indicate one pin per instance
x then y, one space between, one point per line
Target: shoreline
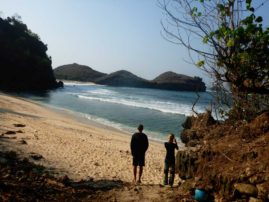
77 116
80 117
73 147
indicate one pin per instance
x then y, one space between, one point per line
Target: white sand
74 148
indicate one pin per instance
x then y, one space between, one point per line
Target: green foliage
24 64
200 63
237 47
230 43
243 55
205 39
247 60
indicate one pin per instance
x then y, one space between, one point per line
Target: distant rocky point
173 81
166 81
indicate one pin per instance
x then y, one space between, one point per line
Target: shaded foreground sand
79 150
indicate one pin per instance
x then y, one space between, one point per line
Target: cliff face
77 72
24 64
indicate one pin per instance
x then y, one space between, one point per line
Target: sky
107 35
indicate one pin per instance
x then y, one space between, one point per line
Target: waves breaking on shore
161 111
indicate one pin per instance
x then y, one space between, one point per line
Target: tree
24 64
234 49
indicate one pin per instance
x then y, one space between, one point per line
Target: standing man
139 146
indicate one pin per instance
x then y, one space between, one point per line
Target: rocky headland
24 64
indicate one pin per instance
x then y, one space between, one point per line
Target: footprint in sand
10 132
19 125
22 141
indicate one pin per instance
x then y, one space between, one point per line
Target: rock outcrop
195 127
229 160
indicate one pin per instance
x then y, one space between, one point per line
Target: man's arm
176 144
146 143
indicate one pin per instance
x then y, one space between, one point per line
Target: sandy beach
79 149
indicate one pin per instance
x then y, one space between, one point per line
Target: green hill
173 81
77 72
123 78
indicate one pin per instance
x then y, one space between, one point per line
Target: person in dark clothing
139 146
169 162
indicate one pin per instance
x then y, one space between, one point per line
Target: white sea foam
107 122
77 83
101 92
165 107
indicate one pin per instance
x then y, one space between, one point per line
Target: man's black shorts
139 160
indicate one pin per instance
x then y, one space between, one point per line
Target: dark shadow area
22 180
103 185
2 110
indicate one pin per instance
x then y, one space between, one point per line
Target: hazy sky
107 35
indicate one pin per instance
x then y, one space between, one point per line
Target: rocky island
173 81
77 72
123 78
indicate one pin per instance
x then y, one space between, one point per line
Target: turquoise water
160 111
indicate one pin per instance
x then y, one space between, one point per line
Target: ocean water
160 111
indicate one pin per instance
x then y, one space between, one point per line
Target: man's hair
140 127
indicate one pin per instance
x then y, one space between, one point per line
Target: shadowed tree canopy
24 64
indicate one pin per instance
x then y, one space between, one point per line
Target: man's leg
172 175
141 164
134 171
140 173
